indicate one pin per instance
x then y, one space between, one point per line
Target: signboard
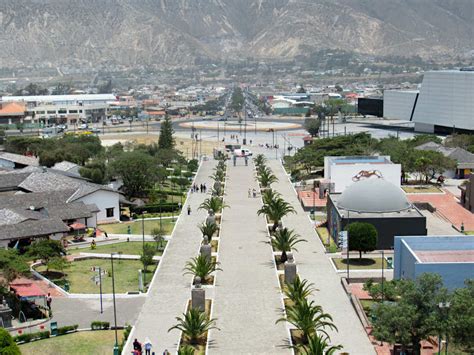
343 240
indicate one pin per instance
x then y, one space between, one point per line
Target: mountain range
184 32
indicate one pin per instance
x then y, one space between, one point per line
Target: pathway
316 267
170 289
246 297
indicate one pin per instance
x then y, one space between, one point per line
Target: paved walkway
246 299
315 266
170 289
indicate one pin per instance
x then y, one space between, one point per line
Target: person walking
254 192
137 347
148 346
189 210
49 300
250 193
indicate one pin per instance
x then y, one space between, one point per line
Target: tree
137 170
12 265
194 324
275 210
260 160
146 256
317 345
266 176
309 318
95 170
202 267
298 289
166 140
362 237
45 250
158 236
208 229
7 344
312 125
415 316
461 317
285 240
213 205
58 263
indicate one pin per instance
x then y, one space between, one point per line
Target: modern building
343 171
445 102
378 202
452 257
467 194
295 104
464 159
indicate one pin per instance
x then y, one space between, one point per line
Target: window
72 111
51 112
109 212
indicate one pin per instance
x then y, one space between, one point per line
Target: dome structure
373 196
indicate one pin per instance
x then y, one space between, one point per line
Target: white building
344 171
444 103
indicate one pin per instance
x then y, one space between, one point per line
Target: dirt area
185 145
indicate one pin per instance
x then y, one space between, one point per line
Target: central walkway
170 290
247 301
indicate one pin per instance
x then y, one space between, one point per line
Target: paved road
314 266
170 290
246 297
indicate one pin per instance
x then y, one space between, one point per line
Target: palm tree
285 240
266 177
194 325
213 205
275 210
269 195
317 345
219 175
298 289
309 318
260 160
201 267
186 350
208 229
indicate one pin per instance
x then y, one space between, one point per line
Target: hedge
98 325
67 329
156 208
27 337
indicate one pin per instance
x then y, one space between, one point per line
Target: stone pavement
247 301
170 289
316 267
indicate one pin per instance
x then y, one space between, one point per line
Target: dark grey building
380 203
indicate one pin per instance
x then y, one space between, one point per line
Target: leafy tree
158 236
285 240
58 263
461 317
202 267
362 237
95 170
137 170
415 316
166 140
312 125
309 318
194 324
12 265
32 90
146 256
7 344
45 250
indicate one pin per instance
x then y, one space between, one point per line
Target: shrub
126 334
26 338
7 344
155 208
67 329
98 325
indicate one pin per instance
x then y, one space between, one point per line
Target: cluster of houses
52 202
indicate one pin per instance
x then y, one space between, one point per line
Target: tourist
254 192
137 347
205 187
250 193
166 352
48 301
189 210
148 346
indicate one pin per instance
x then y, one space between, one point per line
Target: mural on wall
365 174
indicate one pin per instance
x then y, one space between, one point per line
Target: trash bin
54 328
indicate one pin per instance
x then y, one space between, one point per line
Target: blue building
451 257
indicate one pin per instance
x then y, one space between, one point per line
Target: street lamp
444 306
116 347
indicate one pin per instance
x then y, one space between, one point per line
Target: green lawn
469 233
136 227
359 264
323 234
99 342
127 248
421 189
81 278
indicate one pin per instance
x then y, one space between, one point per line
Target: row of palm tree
194 324
309 318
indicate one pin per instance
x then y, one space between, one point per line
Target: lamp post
245 126
444 306
116 348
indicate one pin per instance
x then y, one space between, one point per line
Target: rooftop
359 160
19 159
56 98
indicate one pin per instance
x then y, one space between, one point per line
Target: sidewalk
316 267
247 301
170 289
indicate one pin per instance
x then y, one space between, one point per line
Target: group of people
138 348
201 188
252 193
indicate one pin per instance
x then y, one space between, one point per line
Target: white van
242 152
